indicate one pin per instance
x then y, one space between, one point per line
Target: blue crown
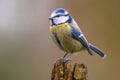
61 11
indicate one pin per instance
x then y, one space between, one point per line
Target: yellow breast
63 32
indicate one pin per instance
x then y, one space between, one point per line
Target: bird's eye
61 15
57 16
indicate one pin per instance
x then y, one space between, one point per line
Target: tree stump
62 70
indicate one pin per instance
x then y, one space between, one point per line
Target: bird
67 35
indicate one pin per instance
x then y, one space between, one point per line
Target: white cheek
61 19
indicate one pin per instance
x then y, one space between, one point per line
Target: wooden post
62 70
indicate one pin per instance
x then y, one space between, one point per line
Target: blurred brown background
27 51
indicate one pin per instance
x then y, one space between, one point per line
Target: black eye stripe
60 15
57 15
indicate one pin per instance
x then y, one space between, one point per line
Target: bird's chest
66 41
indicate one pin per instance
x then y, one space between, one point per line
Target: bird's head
60 16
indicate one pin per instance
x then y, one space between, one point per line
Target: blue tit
67 35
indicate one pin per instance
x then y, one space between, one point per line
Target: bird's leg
65 55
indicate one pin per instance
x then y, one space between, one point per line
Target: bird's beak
50 18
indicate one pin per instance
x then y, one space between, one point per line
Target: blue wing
77 34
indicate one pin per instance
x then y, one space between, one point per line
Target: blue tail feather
96 50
